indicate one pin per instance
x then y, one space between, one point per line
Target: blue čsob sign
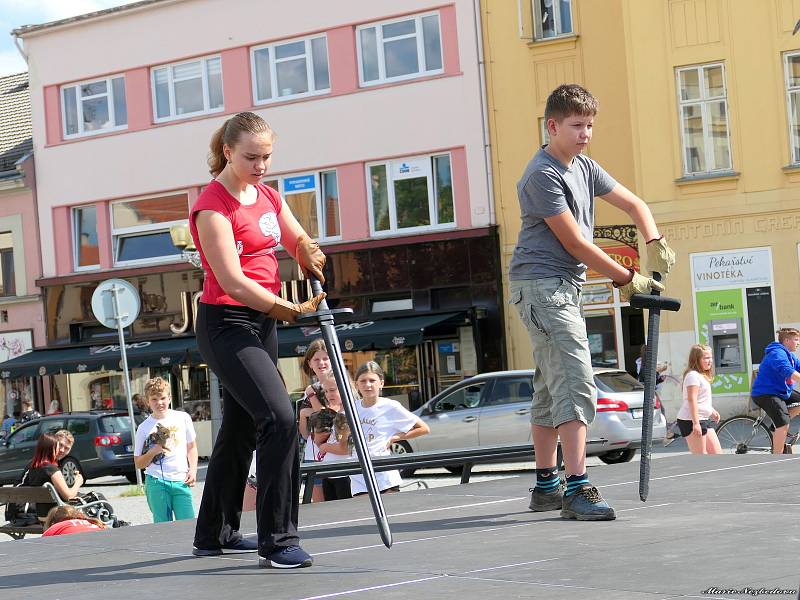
301 183
446 348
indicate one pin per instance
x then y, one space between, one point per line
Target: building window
86 251
552 18
7 285
187 89
703 106
94 107
411 194
140 228
290 69
544 134
314 201
792 70
399 49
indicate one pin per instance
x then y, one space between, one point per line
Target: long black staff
324 317
654 303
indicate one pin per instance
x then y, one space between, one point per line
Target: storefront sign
14 344
302 183
734 268
624 255
406 169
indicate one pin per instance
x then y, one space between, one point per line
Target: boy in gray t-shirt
548 268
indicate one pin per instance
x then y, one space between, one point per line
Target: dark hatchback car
102 445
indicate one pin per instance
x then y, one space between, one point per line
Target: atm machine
727 343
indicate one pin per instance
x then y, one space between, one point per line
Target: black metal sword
324 316
654 303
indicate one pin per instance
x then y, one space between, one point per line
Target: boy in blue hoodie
772 389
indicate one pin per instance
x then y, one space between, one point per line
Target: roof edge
29 30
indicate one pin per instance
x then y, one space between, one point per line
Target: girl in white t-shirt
383 422
696 412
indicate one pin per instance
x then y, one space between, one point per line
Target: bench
467 457
45 494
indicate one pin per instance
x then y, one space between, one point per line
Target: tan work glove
283 310
310 257
660 257
639 284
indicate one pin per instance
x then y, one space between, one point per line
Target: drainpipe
487 145
20 49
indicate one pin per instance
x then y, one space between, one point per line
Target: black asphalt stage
726 522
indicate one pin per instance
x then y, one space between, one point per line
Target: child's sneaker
587 505
544 501
290 557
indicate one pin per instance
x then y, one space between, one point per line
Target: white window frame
173 116
538 34
76 241
704 101
382 78
794 152
109 94
318 191
124 232
273 73
432 204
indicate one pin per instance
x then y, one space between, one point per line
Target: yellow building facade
700 117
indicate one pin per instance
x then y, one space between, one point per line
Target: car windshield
617 381
118 423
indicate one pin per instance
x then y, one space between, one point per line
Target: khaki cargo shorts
563 385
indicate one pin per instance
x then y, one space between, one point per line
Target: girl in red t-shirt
237 224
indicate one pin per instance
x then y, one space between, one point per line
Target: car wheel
618 456
69 468
399 448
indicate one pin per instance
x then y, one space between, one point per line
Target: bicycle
744 434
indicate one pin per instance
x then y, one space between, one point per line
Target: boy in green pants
548 268
165 447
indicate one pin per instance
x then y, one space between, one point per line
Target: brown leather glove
310 257
283 310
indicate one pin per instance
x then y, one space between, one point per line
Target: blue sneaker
290 557
587 505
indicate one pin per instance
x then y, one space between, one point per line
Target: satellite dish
128 303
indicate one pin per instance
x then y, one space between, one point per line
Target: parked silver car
494 409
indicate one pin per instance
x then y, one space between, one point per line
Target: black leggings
241 346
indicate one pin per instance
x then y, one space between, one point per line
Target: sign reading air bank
731 268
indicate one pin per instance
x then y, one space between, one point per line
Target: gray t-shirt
547 189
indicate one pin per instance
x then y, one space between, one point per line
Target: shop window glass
602 340
85 246
413 193
313 199
140 228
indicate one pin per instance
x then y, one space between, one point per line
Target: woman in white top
696 412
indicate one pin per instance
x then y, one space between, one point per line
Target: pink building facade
21 316
381 152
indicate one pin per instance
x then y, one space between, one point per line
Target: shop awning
380 334
145 353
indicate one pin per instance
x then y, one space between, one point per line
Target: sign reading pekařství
731 268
